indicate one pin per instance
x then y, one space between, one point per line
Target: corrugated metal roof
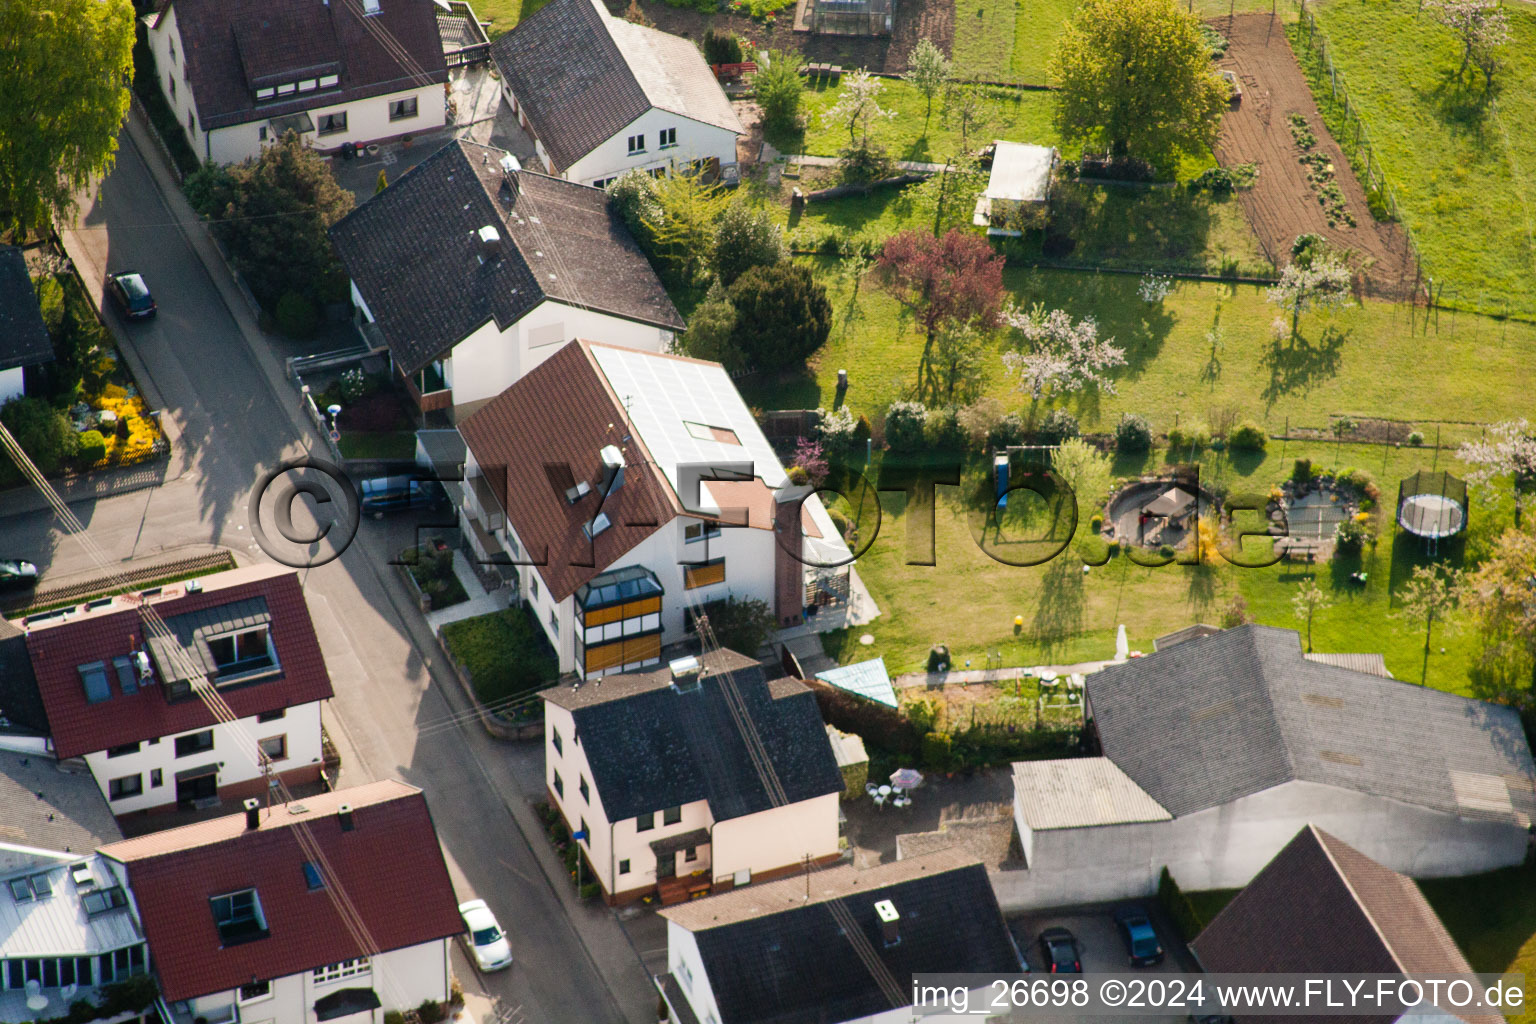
1217 718
1079 792
1021 172
57 925
867 679
1375 664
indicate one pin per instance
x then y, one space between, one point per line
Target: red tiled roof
562 414
222 42
80 727
389 865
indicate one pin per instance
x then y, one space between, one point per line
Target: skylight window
312 877
704 432
21 892
103 900
598 525
94 676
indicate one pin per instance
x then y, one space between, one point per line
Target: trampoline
1432 506
1431 516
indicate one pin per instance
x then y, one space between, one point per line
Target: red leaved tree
946 282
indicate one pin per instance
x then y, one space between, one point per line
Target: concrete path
480 602
832 161
962 677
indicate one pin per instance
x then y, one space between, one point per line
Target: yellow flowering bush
143 431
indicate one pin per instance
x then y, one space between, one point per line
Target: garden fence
1354 138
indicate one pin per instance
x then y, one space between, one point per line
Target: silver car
486 941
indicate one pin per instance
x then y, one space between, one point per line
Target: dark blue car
1139 937
131 294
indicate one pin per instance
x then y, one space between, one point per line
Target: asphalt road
396 716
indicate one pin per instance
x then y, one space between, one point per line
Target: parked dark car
15 574
397 493
1062 953
131 294
1140 939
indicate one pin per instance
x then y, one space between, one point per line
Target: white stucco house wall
591 475
601 95
846 953
240 76
471 271
1215 752
121 700
702 819
241 925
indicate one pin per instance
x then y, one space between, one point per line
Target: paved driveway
1102 951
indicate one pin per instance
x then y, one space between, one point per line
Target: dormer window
238 917
597 525
243 652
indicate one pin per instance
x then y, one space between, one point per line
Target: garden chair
879 799
871 789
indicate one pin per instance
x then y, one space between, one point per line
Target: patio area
1154 513
873 829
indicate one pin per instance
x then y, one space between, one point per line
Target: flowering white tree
1481 25
857 107
1155 288
1060 353
1323 284
1509 449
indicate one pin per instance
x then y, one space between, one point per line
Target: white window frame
287 88
329 81
345 969
308 85
265 94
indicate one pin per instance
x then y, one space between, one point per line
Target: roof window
94 677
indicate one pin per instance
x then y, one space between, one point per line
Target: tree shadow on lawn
1059 613
1112 301
1461 102
1409 552
1296 365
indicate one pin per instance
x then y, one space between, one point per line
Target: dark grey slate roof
50 807
21 703
24 337
413 254
580 75
651 747
797 967
1220 717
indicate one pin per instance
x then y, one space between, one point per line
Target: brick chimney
788 570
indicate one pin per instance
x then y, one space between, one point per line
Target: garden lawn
911 135
505 14
969 601
505 654
1464 170
1370 360
390 445
1492 917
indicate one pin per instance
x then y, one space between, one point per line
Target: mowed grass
1464 169
969 600
1492 917
915 134
1372 360
504 14
1011 40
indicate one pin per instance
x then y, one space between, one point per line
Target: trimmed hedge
1178 908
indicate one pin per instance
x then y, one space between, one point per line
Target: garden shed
1018 190
848 17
